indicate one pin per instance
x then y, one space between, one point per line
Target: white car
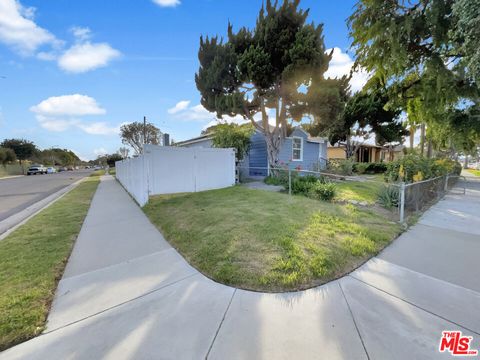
51 170
36 169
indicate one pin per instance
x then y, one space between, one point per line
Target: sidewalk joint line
353 319
118 305
221 323
114 265
414 305
404 268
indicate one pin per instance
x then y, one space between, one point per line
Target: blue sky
76 70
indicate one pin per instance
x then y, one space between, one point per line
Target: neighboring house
367 153
204 141
299 150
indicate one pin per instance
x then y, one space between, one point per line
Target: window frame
301 148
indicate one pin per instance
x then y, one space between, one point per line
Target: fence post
289 181
402 202
446 183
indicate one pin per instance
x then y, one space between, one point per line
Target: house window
297 149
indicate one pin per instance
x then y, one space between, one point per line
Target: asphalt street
19 193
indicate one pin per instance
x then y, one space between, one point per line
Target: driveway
18 193
127 294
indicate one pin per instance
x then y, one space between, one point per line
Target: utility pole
144 130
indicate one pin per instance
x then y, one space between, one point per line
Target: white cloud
83 57
60 113
18 30
100 151
340 65
81 33
181 105
70 105
167 3
198 113
98 128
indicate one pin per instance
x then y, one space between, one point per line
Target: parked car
51 170
63 168
36 169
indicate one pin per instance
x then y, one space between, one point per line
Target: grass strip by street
269 241
32 261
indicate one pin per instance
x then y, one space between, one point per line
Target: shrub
389 196
323 191
303 184
376 168
360 168
342 167
413 168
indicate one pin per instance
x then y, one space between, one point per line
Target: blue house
299 150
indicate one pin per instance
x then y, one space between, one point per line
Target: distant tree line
12 150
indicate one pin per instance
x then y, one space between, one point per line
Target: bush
7 156
342 167
303 184
323 191
413 168
389 196
360 168
376 168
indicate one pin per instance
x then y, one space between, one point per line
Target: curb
11 223
11 177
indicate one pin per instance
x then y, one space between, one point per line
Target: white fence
167 170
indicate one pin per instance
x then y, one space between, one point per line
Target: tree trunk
429 149
273 149
412 136
465 164
422 138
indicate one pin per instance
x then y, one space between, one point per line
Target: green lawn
359 191
32 260
269 241
474 172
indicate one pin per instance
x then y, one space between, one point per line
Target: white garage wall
167 170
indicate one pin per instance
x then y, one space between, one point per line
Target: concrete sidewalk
127 294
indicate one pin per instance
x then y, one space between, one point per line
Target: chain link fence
409 199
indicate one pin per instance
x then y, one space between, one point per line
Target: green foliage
23 149
342 167
466 34
424 53
56 156
112 158
360 168
263 68
413 168
389 196
370 168
367 113
323 190
303 184
7 156
233 136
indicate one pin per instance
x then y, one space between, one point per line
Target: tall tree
23 149
413 49
367 114
136 134
265 71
